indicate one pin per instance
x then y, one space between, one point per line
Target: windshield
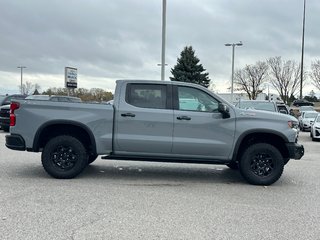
311 115
266 106
306 108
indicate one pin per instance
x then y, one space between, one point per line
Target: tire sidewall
68 141
252 151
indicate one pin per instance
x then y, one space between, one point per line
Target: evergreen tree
188 69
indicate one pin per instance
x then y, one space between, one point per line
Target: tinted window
192 99
147 95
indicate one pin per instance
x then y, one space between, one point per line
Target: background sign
71 77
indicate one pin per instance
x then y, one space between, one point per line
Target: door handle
184 118
128 115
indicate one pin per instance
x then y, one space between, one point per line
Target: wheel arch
248 138
55 128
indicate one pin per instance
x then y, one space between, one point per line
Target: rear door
200 131
144 120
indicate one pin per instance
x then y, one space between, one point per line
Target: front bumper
316 133
296 151
15 142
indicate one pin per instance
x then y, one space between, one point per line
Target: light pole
233 45
302 46
163 50
268 85
21 68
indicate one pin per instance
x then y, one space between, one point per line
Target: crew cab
156 121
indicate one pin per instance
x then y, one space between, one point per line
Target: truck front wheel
64 157
261 164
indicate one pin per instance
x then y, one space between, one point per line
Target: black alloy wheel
64 157
261 164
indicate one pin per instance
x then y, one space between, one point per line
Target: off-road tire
261 164
64 157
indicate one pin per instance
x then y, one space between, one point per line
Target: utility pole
233 45
163 50
21 68
302 47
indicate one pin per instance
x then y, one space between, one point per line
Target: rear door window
147 95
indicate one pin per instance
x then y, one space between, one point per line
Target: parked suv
257 105
264 105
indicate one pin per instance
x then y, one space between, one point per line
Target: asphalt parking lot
136 200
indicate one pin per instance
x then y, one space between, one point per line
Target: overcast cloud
121 39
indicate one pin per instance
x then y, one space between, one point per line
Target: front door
199 129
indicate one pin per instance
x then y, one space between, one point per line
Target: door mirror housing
224 110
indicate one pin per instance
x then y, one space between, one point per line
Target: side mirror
224 110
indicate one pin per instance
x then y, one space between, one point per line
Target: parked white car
307 119
315 128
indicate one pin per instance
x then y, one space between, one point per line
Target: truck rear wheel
64 157
261 164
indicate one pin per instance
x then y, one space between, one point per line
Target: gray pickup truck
156 121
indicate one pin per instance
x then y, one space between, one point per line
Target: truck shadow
169 172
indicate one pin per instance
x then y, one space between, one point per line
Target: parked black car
5 117
4 112
302 102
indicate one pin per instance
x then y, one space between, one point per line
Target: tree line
282 75
87 95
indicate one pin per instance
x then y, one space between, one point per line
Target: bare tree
251 78
315 73
26 88
284 77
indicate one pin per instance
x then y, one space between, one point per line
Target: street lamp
21 68
268 86
233 45
302 46
163 50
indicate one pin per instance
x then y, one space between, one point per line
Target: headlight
293 124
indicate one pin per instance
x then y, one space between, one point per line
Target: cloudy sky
121 39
